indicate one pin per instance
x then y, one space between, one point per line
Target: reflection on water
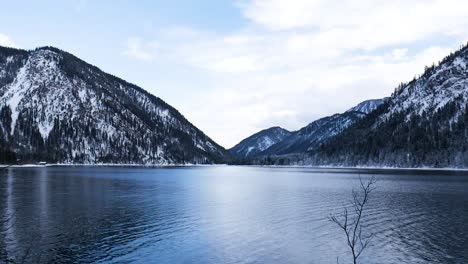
226 215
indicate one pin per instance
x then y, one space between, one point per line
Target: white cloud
235 64
140 50
6 41
399 20
399 54
239 106
277 83
297 61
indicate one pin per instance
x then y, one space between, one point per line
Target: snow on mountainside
367 106
319 131
424 123
438 87
56 107
258 142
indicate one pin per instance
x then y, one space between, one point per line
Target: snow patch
82 95
460 62
45 128
164 114
249 149
16 93
200 147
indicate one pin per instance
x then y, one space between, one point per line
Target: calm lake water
226 214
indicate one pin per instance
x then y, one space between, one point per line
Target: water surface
226 214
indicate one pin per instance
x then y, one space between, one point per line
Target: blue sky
236 67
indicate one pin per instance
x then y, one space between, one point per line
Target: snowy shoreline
3 166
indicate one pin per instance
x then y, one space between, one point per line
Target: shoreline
359 167
366 168
4 166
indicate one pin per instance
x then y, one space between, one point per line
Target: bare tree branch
351 222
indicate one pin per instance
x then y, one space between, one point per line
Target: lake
227 214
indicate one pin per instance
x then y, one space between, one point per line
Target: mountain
259 142
58 108
311 136
423 124
367 106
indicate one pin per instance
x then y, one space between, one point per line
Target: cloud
235 64
6 41
297 61
237 107
383 20
289 79
137 49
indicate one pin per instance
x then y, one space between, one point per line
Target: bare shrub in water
350 220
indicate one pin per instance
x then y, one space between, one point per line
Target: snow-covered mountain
424 123
319 131
367 106
258 142
58 108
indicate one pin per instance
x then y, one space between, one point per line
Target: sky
233 68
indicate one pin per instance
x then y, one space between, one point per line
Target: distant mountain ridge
58 108
259 142
319 131
309 137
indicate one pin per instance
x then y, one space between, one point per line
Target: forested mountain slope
259 142
423 124
311 136
58 108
